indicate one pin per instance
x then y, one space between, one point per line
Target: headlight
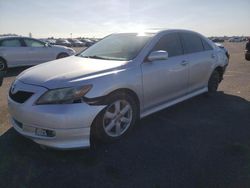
63 95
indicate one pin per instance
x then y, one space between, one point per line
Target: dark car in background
217 39
51 41
76 43
88 42
63 42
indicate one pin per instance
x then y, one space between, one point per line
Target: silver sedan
102 91
24 51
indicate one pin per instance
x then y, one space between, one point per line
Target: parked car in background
235 39
51 41
63 42
48 41
247 55
76 43
217 39
102 91
24 51
87 42
247 50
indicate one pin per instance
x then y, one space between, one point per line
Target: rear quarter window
206 45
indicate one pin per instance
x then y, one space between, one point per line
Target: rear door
13 51
201 58
165 80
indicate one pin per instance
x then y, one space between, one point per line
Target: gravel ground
203 142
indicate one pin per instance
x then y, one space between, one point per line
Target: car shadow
196 143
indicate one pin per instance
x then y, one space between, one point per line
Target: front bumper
70 122
63 139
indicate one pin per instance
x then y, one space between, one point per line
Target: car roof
155 31
10 37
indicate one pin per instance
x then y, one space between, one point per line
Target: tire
62 55
3 65
247 56
213 82
116 120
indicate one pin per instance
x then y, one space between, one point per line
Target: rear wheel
213 82
247 56
116 119
3 65
62 55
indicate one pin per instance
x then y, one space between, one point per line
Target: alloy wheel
117 118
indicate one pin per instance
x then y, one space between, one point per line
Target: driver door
165 80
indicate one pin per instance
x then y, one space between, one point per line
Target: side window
11 43
191 42
33 43
206 45
170 43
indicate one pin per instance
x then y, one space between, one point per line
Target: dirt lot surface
203 142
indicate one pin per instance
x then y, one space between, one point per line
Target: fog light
50 133
44 132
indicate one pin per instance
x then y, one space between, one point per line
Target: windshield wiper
94 57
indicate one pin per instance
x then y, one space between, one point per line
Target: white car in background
23 51
235 39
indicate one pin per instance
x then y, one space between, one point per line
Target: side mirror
158 55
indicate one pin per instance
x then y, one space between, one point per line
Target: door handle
184 63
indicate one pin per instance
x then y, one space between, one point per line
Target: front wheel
62 55
116 119
213 82
3 65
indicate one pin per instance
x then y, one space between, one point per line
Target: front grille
20 96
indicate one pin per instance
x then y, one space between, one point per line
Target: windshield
121 47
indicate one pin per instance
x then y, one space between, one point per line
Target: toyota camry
102 91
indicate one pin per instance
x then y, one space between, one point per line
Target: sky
98 18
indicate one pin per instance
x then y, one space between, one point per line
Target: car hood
68 71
